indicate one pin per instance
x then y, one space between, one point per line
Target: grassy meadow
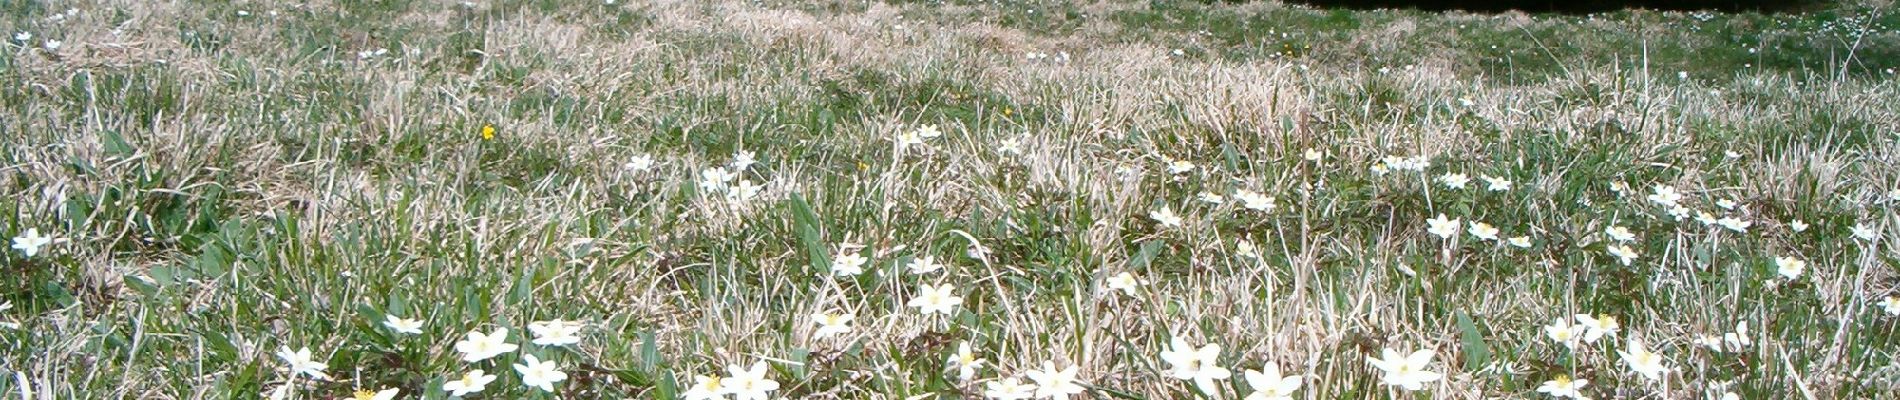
832 199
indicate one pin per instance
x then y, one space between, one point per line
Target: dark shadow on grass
1572 6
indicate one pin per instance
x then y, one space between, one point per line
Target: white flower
1125 282
385 394
916 137
1860 230
1177 167
1010 146
1009 389
924 265
749 384
714 179
1454 181
472 382
478 346
1483 231
51 45
1563 387
744 191
1417 164
31 242
1738 340
1053 383
1246 249
1407 371
1734 224
299 362
847 263
1679 213
537 374
1726 204
555 333
1620 234
1790 267
1712 342
706 387
1313 155
906 139
1522 242
1798 226
1664 195
965 361
402 325
1443 227
639 163
1496 184
1255 201
1165 217
937 299
23 36
1195 365
1891 304
1211 198
928 132
1597 327
1267 383
741 160
1642 361
1562 332
1624 254
831 324
1705 218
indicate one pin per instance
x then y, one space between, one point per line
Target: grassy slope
232 182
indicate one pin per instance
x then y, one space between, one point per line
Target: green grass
229 178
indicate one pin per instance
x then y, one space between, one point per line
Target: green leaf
807 227
1149 250
1231 156
57 293
668 388
433 390
524 287
139 284
1477 354
801 358
649 352
115 144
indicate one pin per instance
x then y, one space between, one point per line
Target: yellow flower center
364 395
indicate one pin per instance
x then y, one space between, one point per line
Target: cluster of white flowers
476 347
1401 164
726 180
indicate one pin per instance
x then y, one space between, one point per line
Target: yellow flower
488 132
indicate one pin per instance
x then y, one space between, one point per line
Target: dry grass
229 184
